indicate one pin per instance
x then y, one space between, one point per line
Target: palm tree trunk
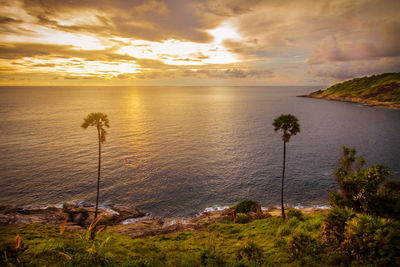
283 179
98 176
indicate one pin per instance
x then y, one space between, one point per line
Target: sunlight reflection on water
175 151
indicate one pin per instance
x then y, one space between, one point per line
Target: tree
99 120
289 125
365 190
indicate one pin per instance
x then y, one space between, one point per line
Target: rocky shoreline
126 220
352 99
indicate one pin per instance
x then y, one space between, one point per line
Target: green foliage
245 206
293 213
288 124
355 229
335 224
221 244
372 239
208 258
365 190
249 252
383 87
100 121
302 243
242 218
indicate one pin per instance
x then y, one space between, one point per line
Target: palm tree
99 120
289 125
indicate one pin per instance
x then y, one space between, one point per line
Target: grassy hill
266 242
375 90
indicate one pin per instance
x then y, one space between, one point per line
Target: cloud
8 20
349 69
47 51
384 43
148 20
205 72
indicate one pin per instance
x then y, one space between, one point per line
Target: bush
372 239
334 226
365 190
302 243
210 258
249 252
247 206
293 213
242 218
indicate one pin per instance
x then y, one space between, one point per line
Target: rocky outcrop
138 225
347 98
77 216
12 215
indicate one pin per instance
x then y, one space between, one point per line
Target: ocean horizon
177 150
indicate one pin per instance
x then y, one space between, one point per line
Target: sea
175 151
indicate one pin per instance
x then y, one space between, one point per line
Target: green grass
382 87
261 242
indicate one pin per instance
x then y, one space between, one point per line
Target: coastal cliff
381 90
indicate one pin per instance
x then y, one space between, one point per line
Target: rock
76 214
127 212
80 218
12 215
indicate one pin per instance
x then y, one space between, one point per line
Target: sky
196 42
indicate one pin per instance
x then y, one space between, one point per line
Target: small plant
302 243
207 257
246 206
251 252
372 239
242 218
365 190
334 227
293 213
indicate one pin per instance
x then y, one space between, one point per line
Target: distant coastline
381 90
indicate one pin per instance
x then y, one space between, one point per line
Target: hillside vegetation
379 90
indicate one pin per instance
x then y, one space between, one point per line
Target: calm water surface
174 151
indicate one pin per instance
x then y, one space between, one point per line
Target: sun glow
69 51
175 52
223 32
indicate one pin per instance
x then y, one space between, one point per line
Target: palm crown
289 125
99 120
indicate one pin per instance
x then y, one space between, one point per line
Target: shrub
284 230
210 258
246 206
334 226
249 252
302 243
365 190
242 218
293 213
372 239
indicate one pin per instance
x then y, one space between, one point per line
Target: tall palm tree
289 125
99 120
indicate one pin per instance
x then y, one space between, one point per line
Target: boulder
77 214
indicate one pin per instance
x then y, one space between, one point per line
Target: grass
383 87
258 243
